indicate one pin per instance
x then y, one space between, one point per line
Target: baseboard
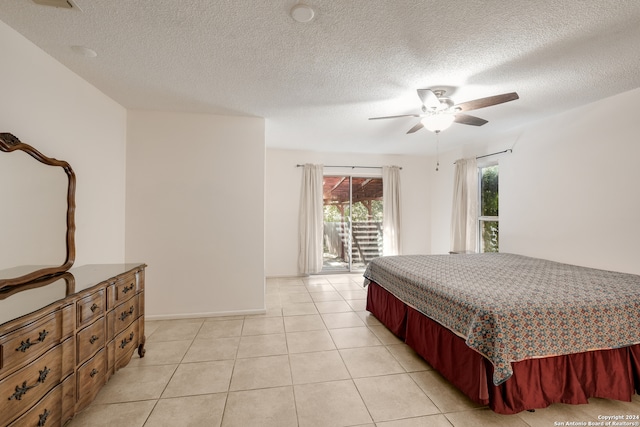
178 316
298 276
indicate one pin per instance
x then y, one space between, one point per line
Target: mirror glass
30 297
34 207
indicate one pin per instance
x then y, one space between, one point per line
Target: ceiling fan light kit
439 111
437 122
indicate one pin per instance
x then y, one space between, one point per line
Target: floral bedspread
510 307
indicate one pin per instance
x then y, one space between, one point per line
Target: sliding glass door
352 222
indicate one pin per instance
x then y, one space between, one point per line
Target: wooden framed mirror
37 208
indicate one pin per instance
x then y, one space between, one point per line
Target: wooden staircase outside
366 244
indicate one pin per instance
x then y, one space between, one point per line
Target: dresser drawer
126 342
22 389
53 410
90 308
122 290
125 314
90 378
90 340
25 344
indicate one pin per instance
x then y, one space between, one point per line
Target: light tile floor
317 358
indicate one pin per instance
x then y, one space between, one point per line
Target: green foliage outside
489 207
332 214
359 214
489 236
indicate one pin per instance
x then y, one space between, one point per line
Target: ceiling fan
439 111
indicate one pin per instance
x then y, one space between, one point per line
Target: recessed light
302 13
84 51
60 4
55 3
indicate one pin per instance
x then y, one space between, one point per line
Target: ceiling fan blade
486 102
466 119
394 117
428 98
416 128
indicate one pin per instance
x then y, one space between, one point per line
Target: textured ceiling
317 83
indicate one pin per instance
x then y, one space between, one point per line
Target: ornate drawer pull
43 418
124 342
126 314
20 390
93 372
24 388
93 339
94 307
128 288
24 345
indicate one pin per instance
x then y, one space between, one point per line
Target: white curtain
390 210
310 224
464 216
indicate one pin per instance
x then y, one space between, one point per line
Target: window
488 218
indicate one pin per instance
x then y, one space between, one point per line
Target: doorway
352 222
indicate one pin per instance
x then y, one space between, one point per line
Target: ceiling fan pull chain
437 151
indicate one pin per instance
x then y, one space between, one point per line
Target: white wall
283 185
568 192
47 106
195 212
441 199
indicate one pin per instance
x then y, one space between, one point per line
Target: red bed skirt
536 383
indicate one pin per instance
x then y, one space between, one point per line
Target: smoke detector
302 13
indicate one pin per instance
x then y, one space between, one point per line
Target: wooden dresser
61 338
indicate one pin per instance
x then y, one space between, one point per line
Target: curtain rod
352 167
508 150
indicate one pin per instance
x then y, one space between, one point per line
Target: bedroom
133 164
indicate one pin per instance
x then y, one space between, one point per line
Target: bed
513 332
